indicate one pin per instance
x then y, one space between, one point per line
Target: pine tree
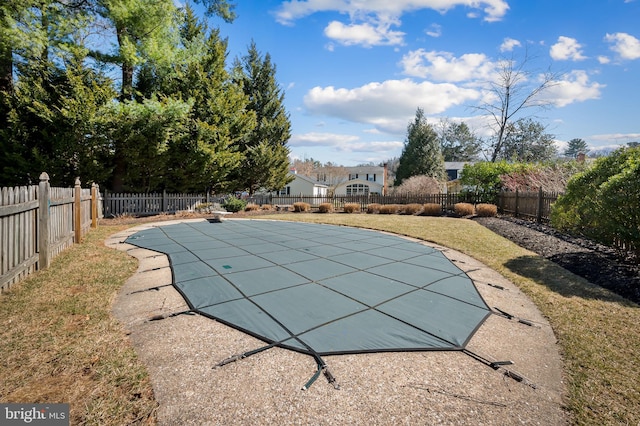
421 154
575 147
256 76
52 103
458 142
526 141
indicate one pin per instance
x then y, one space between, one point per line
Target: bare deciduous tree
515 88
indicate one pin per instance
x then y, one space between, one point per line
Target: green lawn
59 342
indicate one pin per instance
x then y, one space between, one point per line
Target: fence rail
39 222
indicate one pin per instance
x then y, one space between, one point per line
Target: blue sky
354 71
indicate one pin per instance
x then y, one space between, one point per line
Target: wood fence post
163 207
77 214
515 213
94 205
43 222
540 205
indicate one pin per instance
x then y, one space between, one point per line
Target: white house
303 185
357 180
358 187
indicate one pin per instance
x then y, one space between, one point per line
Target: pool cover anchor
321 366
499 365
171 315
330 378
507 315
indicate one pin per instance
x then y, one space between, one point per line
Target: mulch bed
600 265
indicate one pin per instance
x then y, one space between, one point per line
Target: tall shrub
603 202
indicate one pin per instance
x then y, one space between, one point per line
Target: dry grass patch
60 344
388 209
351 208
373 208
597 330
486 210
325 208
432 209
252 208
411 208
464 209
301 207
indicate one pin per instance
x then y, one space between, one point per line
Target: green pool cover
320 289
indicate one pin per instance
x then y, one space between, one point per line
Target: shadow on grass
561 281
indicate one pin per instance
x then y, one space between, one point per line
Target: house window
371 178
353 176
321 177
285 191
357 189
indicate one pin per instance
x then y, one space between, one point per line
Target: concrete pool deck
379 388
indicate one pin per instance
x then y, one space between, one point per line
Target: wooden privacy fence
116 204
39 222
531 205
447 201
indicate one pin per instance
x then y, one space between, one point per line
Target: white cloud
603 59
367 34
444 66
321 139
291 10
434 30
383 146
390 105
370 22
574 87
567 48
509 44
616 137
345 143
625 45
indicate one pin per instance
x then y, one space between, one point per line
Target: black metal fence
147 204
447 201
531 205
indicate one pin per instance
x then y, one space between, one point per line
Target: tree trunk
6 69
126 89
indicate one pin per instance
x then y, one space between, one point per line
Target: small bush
266 207
432 209
388 209
251 207
487 210
464 209
411 209
234 205
373 208
301 207
351 207
325 208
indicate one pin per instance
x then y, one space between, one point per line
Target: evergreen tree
219 117
526 141
575 147
421 154
51 106
458 142
256 76
143 132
